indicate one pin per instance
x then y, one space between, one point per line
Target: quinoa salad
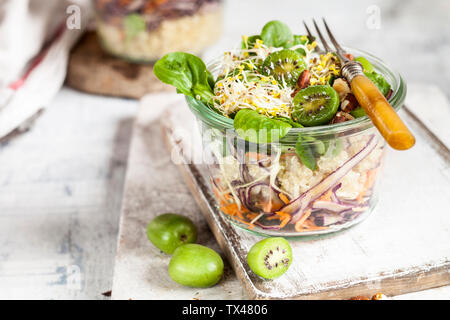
145 30
271 172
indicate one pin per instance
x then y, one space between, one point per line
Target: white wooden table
60 194
382 255
61 183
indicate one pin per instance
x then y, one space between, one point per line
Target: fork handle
383 116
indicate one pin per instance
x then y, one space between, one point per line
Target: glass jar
266 188
145 30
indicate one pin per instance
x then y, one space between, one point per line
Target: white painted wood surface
425 49
154 186
399 236
82 141
60 194
398 240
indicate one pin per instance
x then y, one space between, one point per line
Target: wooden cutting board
92 70
402 247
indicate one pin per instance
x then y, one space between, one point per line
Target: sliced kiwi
315 105
270 258
285 65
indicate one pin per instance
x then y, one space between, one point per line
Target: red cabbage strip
298 206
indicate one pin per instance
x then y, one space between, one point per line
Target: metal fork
383 116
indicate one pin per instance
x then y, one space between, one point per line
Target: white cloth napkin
35 39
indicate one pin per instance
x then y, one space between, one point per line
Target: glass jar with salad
145 30
289 151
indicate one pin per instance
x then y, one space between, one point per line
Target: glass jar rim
398 86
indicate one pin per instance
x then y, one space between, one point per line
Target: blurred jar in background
145 30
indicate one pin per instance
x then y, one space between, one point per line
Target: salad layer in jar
286 166
145 30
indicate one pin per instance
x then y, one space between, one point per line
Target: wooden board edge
434 140
186 171
389 285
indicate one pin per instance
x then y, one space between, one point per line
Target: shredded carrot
284 222
223 198
267 206
316 228
239 212
250 225
256 156
250 216
361 195
284 198
287 154
302 220
281 215
311 226
270 206
326 196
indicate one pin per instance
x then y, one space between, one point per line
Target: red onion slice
245 174
266 227
389 95
241 196
298 206
334 196
261 194
325 219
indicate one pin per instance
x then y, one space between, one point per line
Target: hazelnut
341 87
379 296
349 103
303 80
342 117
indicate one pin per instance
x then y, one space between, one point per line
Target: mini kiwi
315 105
270 258
285 65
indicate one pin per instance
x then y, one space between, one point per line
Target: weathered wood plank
61 185
141 271
154 186
389 252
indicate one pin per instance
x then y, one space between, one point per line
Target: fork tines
339 51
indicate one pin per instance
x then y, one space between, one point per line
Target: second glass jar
145 30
